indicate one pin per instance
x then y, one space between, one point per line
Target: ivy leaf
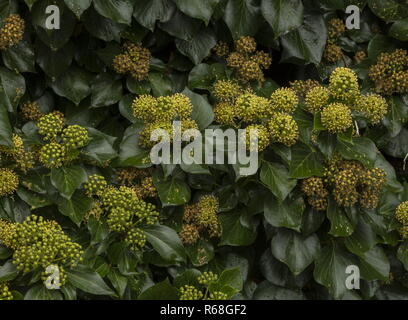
305 44
40 292
200 253
89 281
130 154
106 90
166 242
268 291
341 226
399 30
203 75
375 265
379 44
181 26
78 6
276 177
68 179
242 18
197 8
73 84
305 163
53 38
402 254
397 114
295 250
75 207
283 16
361 149
119 11
161 84
101 27
330 269
235 233
54 62
160 291
388 10
202 110
229 282
286 214
5 126
172 191
12 89
362 239
100 148
20 57
199 46
147 12
8 271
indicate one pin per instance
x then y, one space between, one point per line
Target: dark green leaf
276 177
283 16
286 214
166 242
68 179
296 251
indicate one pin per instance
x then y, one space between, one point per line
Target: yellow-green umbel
39 243
224 113
256 131
188 292
336 117
317 98
135 238
31 111
50 125
75 137
343 85
283 128
189 234
284 99
207 277
52 155
5 293
95 185
12 31
401 213
8 182
245 44
144 107
373 106
250 107
226 90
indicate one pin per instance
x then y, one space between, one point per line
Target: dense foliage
80 198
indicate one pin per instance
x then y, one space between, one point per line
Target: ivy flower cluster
246 60
31 111
134 60
12 31
348 182
127 214
270 118
338 103
199 219
390 73
333 51
5 293
18 155
401 214
140 180
39 243
202 292
158 113
63 142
